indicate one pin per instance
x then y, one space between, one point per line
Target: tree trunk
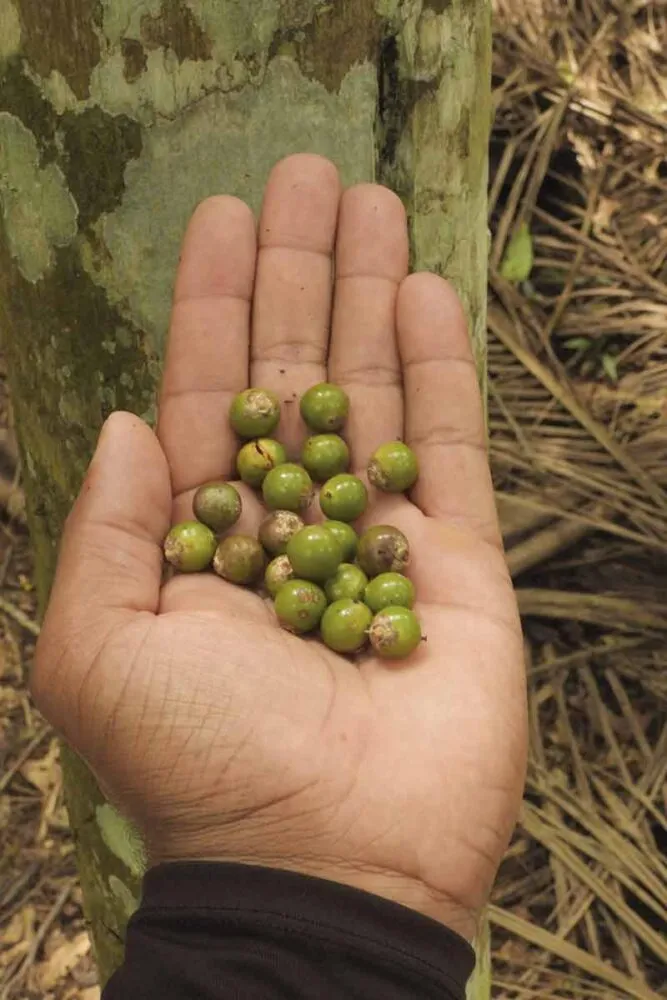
116 118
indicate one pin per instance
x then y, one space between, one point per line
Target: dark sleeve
234 932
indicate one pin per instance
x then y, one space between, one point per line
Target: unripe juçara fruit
277 529
217 505
240 559
255 413
189 547
393 468
383 549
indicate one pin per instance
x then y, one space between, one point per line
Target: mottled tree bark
116 118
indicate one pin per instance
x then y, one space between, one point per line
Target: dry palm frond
578 426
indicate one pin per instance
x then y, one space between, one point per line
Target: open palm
219 734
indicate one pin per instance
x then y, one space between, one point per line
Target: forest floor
578 418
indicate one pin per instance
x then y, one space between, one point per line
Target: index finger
207 356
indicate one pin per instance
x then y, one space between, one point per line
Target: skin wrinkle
373 377
212 390
371 276
115 707
290 352
324 252
411 365
214 298
441 437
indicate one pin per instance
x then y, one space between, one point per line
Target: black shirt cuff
216 931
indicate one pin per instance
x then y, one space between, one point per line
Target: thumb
110 561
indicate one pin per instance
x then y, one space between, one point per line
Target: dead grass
578 365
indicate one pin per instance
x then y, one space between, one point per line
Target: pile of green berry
325 576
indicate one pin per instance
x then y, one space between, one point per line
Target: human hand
221 736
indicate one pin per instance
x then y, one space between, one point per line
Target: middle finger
293 288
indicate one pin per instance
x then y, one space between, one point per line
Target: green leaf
519 259
479 987
610 366
578 344
565 72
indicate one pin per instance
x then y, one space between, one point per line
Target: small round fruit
276 530
346 537
389 590
256 459
300 605
345 626
395 633
218 506
314 553
325 407
190 547
288 487
393 468
348 582
240 559
324 456
343 498
278 573
255 413
383 549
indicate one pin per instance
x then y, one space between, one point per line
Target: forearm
220 931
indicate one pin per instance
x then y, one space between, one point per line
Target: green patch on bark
125 896
10 29
97 148
38 212
61 37
234 140
122 839
21 97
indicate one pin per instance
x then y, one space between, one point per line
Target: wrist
402 889
395 886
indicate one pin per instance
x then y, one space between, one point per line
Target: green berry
393 468
346 537
240 559
389 590
395 633
348 582
343 498
325 407
276 530
217 505
190 547
345 626
288 487
278 573
300 605
314 553
256 459
324 456
383 549
255 413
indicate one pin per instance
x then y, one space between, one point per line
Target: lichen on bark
126 113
